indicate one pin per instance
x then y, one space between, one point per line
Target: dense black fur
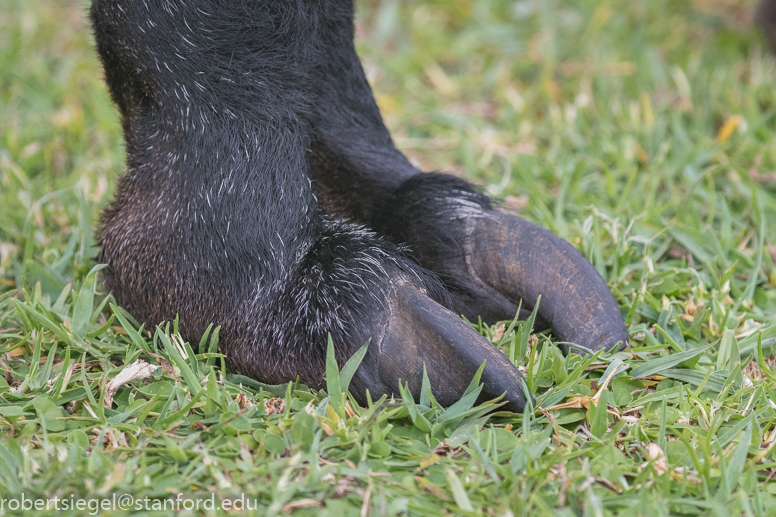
238 117
216 219
352 152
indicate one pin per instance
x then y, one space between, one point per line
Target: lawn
642 132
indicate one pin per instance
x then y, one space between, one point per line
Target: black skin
264 194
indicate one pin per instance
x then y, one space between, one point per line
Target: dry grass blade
135 371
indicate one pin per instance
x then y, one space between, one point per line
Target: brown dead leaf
345 485
445 450
242 399
301 503
274 406
16 352
608 484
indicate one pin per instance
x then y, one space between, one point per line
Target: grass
643 132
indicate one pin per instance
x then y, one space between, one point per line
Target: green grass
643 132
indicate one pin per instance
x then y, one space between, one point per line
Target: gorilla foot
218 217
490 262
418 332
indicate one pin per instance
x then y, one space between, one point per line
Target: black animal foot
418 333
238 117
490 261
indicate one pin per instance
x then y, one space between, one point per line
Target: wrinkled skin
264 194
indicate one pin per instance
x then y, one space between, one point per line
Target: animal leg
216 219
489 261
